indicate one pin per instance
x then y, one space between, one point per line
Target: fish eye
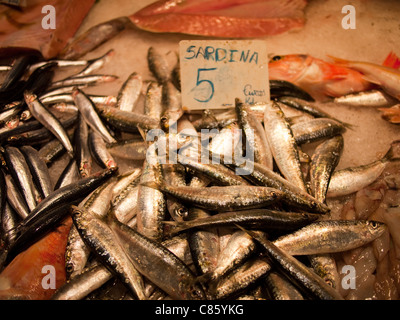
374 224
196 293
276 58
182 212
329 282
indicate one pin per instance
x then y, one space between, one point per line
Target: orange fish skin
319 78
225 18
22 278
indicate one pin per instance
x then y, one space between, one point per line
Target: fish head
287 67
376 228
191 290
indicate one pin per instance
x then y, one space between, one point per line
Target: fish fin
391 114
392 61
394 152
371 79
205 277
348 125
151 184
339 60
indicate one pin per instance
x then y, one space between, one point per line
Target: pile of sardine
217 205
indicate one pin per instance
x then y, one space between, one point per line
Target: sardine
82 152
39 170
15 198
94 64
50 151
175 174
131 149
103 242
21 174
324 160
76 251
130 91
280 288
83 284
293 195
93 37
69 175
204 244
308 107
296 270
283 145
254 218
94 276
172 106
9 222
226 198
99 151
158 65
88 111
240 247
217 173
124 202
330 236
316 129
158 264
124 120
83 80
44 116
350 180
325 266
257 147
241 278
54 208
151 207
372 98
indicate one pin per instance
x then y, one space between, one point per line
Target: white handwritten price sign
216 72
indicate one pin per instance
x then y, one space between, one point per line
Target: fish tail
172 228
151 184
209 286
348 125
394 152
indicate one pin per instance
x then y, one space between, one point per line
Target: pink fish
319 78
22 28
25 277
225 18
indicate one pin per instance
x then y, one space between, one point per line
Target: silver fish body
350 180
323 162
330 236
283 145
102 241
158 264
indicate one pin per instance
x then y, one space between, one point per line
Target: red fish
22 28
27 277
225 18
319 78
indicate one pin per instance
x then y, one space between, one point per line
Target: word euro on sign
216 72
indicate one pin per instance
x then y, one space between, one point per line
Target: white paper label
216 72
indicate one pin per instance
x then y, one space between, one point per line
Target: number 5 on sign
216 72
204 89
